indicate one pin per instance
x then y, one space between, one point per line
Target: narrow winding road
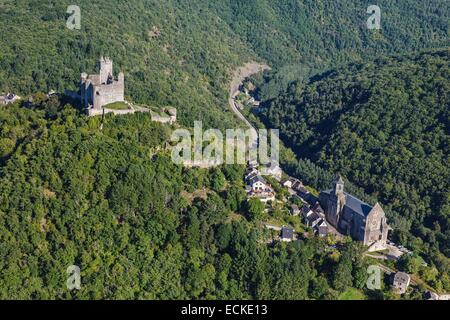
239 76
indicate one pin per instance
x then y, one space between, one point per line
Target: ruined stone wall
112 93
106 68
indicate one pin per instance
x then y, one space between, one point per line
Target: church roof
353 203
357 205
257 178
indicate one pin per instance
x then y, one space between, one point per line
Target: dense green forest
182 52
320 34
112 202
137 225
385 126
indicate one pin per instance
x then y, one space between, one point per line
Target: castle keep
98 90
354 217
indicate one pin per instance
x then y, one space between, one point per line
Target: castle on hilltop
355 218
98 90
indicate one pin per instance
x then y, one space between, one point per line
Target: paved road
235 109
239 76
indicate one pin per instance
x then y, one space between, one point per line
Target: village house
8 98
306 195
294 210
429 295
401 282
306 210
287 234
315 219
253 164
287 183
258 183
250 173
317 208
322 228
257 186
295 183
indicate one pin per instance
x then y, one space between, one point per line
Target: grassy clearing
117 106
352 294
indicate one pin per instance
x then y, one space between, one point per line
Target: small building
322 228
287 183
287 234
429 295
253 163
250 173
401 282
295 183
306 211
313 220
257 187
51 93
317 208
9 98
256 103
294 210
258 183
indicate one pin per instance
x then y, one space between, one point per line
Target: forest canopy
384 125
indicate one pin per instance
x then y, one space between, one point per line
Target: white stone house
257 187
258 184
401 282
287 183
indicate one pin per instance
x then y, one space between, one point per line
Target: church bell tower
336 201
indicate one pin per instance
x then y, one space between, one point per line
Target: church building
355 218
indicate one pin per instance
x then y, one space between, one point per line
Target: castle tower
106 69
98 90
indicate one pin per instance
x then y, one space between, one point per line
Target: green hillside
111 200
182 52
321 34
385 126
138 226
